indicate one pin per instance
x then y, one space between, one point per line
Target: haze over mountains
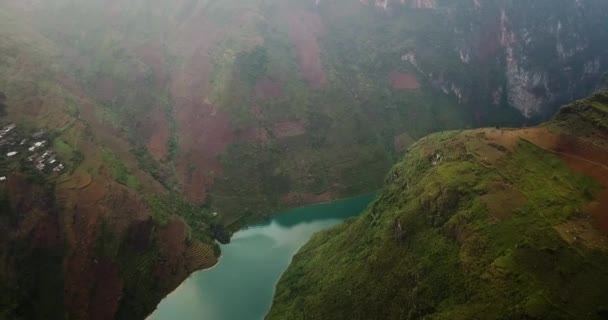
179 122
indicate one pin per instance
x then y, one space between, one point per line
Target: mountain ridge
180 122
487 223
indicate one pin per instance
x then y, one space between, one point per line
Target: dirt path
575 157
589 161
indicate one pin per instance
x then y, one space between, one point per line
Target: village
20 150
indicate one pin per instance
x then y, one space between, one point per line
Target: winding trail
585 165
569 155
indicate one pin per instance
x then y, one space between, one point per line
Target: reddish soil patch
108 290
47 234
591 161
92 286
79 270
288 129
40 225
298 199
268 89
204 131
204 134
509 138
172 240
105 89
581 156
158 143
85 206
254 134
191 79
72 87
304 28
152 55
404 81
257 112
139 235
402 142
129 206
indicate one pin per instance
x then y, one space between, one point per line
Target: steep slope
483 224
248 107
177 120
84 233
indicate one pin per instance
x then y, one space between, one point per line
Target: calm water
241 286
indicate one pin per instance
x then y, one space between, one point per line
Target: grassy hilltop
484 224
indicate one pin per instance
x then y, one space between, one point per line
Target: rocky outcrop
548 52
424 4
416 4
539 55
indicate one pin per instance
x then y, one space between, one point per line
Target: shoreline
332 210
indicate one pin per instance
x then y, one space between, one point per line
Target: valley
241 285
179 123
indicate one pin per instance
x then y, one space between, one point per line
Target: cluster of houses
34 149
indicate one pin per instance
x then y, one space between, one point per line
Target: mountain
84 232
252 107
179 122
475 224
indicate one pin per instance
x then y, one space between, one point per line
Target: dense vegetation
471 224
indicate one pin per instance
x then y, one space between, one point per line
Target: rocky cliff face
551 53
534 56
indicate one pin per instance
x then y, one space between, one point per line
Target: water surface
242 285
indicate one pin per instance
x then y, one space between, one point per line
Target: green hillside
481 224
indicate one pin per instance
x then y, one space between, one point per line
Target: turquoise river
241 285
